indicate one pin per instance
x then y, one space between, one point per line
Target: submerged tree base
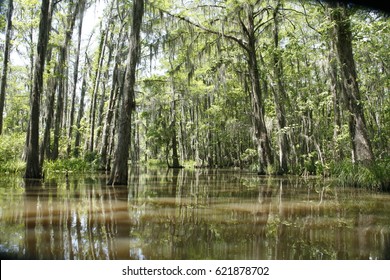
175 166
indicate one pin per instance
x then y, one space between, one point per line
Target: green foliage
322 169
375 176
250 157
189 163
2 15
11 149
70 165
12 166
17 101
156 163
92 157
90 162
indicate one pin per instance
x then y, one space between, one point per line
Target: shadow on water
191 214
386 251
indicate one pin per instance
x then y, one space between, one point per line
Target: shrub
156 162
11 149
374 176
71 164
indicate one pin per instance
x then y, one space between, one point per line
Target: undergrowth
11 149
374 176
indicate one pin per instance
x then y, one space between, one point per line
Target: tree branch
239 41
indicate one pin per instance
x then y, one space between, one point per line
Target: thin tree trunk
33 168
175 154
92 121
109 116
52 89
172 127
4 73
30 84
108 39
210 140
335 89
183 134
119 173
59 105
103 98
79 117
113 127
116 86
75 77
62 74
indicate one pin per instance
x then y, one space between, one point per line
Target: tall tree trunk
31 82
361 145
103 97
33 168
172 125
111 141
110 112
51 91
75 77
335 89
262 138
175 154
80 115
96 83
59 104
109 130
280 98
119 173
210 135
183 132
62 75
108 43
4 73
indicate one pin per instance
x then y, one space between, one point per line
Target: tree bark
361 145
335 89
79 117
280 98
172 125
113 128
62 76
5 61
115 88
52 89
75 77
103 97
262 138
96 83
210 134
119 173
33 168
59 104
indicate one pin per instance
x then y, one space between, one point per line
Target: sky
92 18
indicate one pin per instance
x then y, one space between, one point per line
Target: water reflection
191 214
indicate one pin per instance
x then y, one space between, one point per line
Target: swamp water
191 214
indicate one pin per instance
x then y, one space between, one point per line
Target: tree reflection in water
68 222
191 214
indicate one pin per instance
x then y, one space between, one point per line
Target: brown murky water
191 214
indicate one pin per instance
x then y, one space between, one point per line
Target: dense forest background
275 86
